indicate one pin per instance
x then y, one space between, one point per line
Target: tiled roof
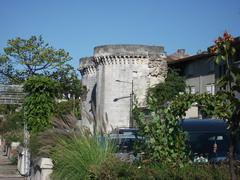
190 58
180 54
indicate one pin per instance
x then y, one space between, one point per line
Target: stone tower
111 75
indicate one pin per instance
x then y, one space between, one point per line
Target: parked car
125 138
208 139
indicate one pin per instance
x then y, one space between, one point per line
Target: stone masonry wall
145 66
88 71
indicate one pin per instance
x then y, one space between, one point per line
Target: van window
208 144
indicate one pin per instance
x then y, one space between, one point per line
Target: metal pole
131 106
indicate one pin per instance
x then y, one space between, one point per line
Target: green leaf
223 58
218 59
233 51
236 88
235 70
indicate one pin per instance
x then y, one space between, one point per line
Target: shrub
14 160
13 136
12 128
43 143
80 157
114 168
13 122
164 140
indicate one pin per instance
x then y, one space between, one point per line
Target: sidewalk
7 170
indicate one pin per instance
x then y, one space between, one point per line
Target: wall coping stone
128 49
44 163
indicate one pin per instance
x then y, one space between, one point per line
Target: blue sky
79 26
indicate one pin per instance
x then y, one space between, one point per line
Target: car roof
204 125
122 136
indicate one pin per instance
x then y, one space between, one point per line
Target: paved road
7 170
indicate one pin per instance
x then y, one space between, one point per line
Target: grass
80 157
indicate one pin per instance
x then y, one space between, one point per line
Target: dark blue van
208 139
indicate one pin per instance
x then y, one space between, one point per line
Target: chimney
181 52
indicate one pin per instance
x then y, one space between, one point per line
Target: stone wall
88 71
118 69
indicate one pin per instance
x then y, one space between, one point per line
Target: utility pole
131 106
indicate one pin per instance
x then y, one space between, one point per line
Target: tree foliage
68 107
70 87
39 103
6 109
162 93
13 122
164 140
23 58
209 105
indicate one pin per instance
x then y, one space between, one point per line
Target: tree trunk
233 145
232 166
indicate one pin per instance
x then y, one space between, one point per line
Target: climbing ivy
209 105
39 103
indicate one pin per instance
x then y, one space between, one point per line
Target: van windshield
208 144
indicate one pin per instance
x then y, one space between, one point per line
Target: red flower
231 39
226 35
220 39
213 49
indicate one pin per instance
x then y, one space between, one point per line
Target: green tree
163 93
39 103
229 85
70 86
23 58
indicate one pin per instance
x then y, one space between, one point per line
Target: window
222 70
191 89
189 70
211 66
210 88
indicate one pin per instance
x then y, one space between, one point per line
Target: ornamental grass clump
80 157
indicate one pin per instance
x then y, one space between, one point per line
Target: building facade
202 73
200 70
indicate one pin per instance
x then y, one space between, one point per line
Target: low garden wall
41 169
